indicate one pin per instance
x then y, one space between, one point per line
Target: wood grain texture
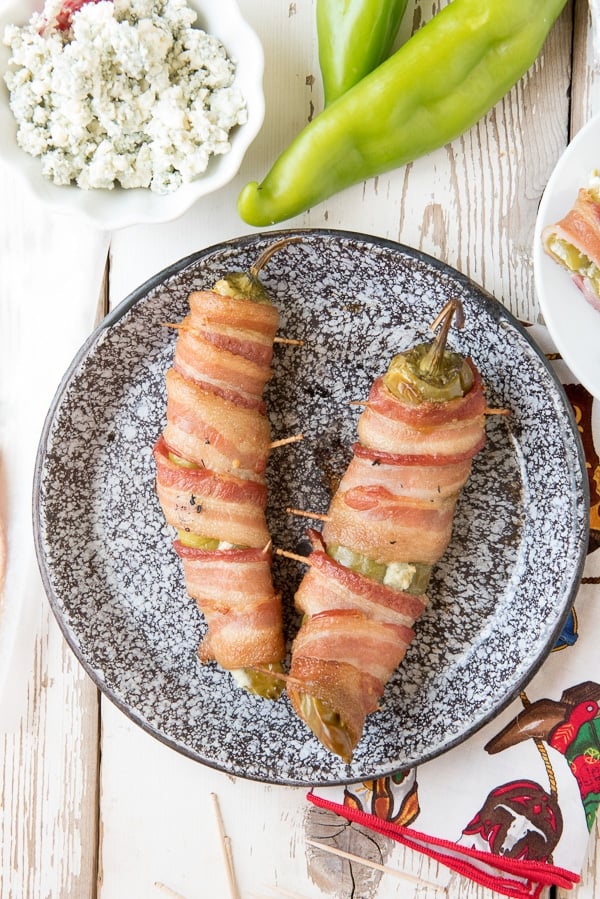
585 95
48 707
107 811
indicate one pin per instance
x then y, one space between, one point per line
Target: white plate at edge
573 323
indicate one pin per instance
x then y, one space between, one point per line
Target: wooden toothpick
294 556
285 440
317 515
369 864
165 889
288 341
227 851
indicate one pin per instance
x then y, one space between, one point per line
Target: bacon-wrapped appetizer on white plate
388 523
574 241
566 255
211 460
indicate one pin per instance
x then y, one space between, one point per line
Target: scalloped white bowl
119 208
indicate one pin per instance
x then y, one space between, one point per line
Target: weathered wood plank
48 784
585 94
48 707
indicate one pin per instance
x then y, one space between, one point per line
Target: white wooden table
90 805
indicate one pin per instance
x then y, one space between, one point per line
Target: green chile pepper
447 76
354 36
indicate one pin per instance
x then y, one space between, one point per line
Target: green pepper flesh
327 724
409 378
242 286
410 577
266 681
575 261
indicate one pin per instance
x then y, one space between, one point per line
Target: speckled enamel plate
498 598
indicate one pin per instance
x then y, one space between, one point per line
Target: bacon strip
241 326
387 527
214 432
234 590
435 430
216 426
353 638
579 228
328 584
218 506
395 504
420 482
217 369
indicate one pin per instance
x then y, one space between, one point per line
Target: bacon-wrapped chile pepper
211 460
574 242
388 523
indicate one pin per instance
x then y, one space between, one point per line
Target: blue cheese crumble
121 92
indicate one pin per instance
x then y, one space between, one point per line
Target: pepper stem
270 251
432 362
247 285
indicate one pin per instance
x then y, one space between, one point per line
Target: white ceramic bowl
119 208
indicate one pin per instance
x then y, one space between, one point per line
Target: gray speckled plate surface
498 597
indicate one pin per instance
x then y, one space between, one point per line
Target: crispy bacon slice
219 370
234 591
215 432
414 481
218 506
429 430
343 659
388 528
241 326
353 638
351 691
390 508
244 638
328 584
